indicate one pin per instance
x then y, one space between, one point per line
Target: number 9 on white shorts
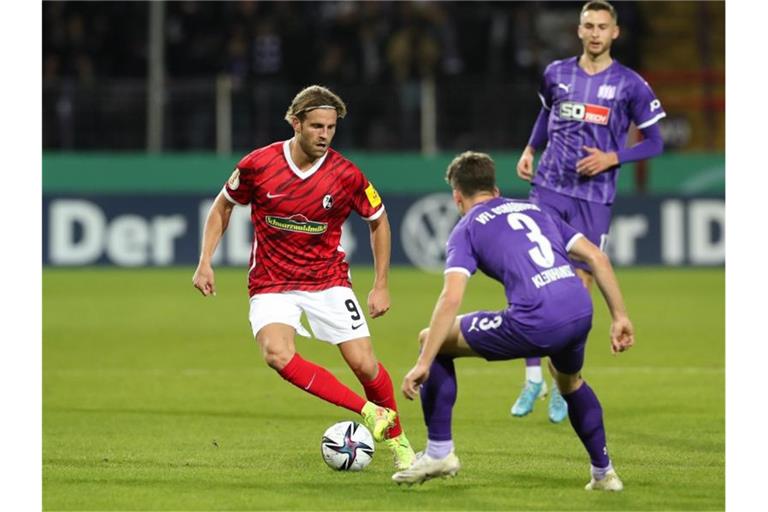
334 314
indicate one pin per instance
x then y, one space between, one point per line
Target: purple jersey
526 250
594 111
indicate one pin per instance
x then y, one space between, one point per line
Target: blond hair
314 97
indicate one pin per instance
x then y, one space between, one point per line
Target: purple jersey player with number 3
548 313
588 104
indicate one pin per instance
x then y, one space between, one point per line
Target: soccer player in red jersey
301 191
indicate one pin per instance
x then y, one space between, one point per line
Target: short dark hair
313 97
472 172
599 5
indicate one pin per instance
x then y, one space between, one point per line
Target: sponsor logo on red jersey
586 112
298 224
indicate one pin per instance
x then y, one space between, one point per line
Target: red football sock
320 382
380 392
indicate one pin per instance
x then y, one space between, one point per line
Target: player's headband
331 107
315 108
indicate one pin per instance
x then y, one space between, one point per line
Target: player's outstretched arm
381 245
215 226
622 331
443 317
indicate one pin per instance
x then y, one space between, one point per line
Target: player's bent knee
277 359
277 347
568 383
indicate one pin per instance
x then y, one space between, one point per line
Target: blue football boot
531 391
558 407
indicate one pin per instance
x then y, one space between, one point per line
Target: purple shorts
496 336
591 219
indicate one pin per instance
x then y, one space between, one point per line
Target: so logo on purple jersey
587 112
485 323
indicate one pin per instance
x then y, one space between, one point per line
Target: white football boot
611 482
426 468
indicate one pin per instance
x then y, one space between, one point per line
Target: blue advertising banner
140 230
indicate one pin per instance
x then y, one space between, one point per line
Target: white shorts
334 314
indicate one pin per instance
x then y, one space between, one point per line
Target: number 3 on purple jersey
541 255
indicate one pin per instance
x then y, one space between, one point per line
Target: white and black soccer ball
347 446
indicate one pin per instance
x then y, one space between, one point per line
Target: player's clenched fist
203 280
622 335
413 381
525 165
378 302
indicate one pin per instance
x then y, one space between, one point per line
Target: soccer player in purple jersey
549 313
588 103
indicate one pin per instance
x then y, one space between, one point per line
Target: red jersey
297 217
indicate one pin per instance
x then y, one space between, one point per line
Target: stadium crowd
366 50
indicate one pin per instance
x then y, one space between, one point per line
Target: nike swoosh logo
272 196
310 382
358 325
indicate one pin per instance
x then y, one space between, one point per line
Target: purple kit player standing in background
588 103
549 313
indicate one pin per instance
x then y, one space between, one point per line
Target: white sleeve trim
460 270
651 121
573 241
543 102
229 197
375 215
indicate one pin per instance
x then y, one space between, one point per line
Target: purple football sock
586 417
438 394
533 361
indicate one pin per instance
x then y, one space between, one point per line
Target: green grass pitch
157 398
